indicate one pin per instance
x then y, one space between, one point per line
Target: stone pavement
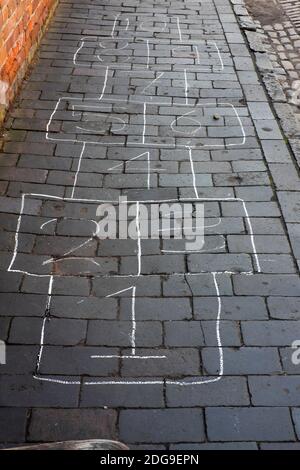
144 341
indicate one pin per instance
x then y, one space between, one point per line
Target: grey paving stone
58 424
112 333
230 333
290 358
233 155
267 129
241 179
259 193
22 304
296 418
266 225
233 308
267 284
123 395
72 361
254 92
275 391
280 446
170 425
58 331
149 286
201 284
184 180
84 307
63 286
259 110
285 176
4 327
155 264
177 363
276 151
263 243
290 205
242 361
233 392
270 333
215 446
156 309
183 333
25 391
249 424
10 282
219 262
294 234
284 308
13 424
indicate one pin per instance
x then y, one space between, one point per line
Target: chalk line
105 83
193 172
46 317
78 170
179 28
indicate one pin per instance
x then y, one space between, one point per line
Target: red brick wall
21 25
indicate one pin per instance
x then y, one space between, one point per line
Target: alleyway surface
144 340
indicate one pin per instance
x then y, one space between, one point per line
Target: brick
183 333
233 308
275 391
276 151
22 304
269 333
122 395
83 307
249 424
156 309
219 262
177 363
242 361
215 446
58 424
279 446
259 110
10 282
201 284
232 393
155 264
72 361
58 331
290 204
285 176
184 425
64 286
267 284
294 234
284 308
13 424
296 418
149 286
112 333
25 391
263 244
4 328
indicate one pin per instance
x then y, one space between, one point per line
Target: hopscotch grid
182 382
144 139
187 381
117 65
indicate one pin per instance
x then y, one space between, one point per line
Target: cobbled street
146 341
